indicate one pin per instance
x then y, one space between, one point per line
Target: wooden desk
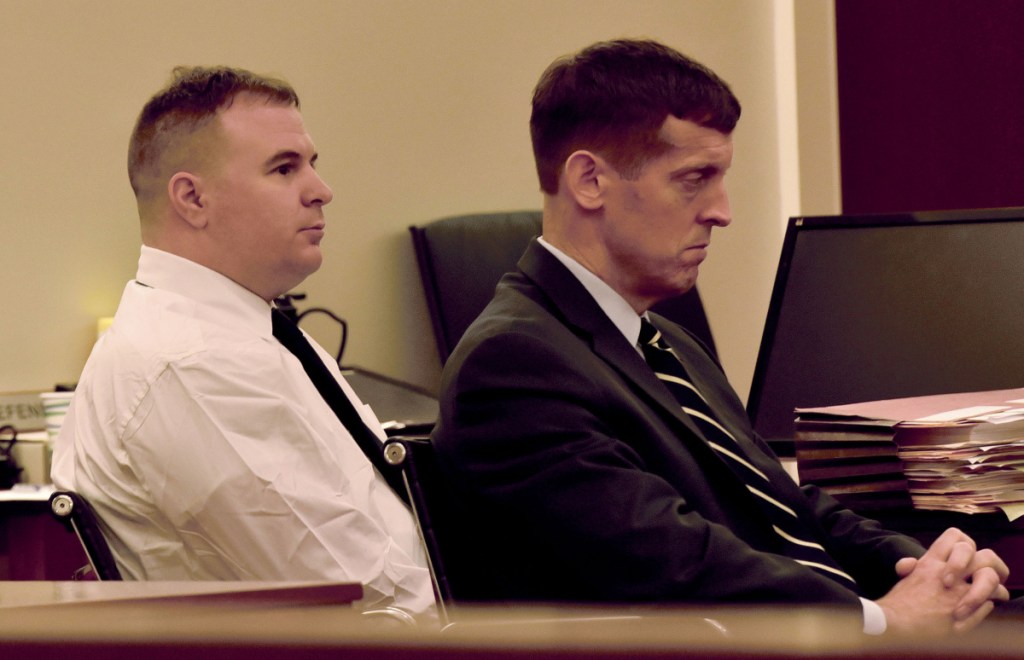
397 405
157 629
236 594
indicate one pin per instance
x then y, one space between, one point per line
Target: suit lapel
569 301
579 311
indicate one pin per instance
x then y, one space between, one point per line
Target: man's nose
319 192
719 211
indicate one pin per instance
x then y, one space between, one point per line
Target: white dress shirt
209 454
627 321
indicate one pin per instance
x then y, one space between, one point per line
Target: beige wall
419 109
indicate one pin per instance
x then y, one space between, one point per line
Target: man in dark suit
581 477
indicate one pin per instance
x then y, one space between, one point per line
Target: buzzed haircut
187 103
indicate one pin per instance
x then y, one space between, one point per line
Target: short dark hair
189 101
613 97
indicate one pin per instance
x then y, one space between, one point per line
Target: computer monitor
886 306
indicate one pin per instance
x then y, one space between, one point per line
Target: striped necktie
783 518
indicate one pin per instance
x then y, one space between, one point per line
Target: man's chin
302 270
312 259
686 281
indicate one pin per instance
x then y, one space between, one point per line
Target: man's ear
185 192
584 178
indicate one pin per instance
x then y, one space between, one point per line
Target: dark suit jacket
578 478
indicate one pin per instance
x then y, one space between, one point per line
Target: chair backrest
461 259
74 512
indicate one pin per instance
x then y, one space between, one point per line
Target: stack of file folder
953 452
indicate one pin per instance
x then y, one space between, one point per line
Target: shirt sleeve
874 617
248 463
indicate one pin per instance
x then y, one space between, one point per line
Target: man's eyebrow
705 168
289 154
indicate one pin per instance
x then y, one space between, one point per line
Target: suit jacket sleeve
860 545
544 448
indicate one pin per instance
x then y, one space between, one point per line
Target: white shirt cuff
874 617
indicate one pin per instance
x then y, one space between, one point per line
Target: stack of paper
853 459
955 452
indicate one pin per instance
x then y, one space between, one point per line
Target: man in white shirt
198 438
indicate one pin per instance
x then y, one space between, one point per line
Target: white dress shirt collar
224 300
608 299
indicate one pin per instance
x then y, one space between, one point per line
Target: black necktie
292 338
784 520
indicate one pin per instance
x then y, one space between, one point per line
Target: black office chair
461 259
414 456
74 512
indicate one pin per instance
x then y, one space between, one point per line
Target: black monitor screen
878 307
